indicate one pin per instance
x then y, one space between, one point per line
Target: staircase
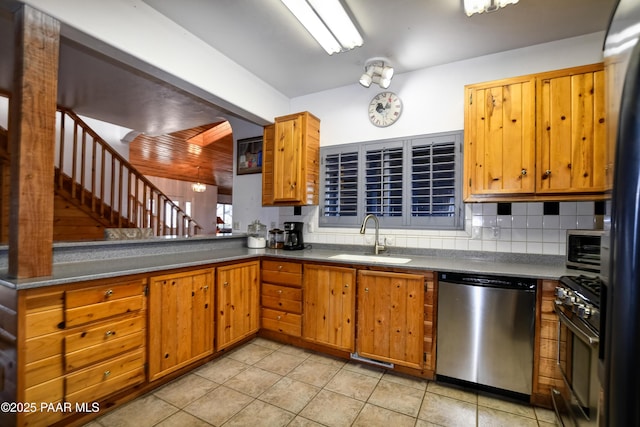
96 188
91 176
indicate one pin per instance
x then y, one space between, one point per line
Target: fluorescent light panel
327 22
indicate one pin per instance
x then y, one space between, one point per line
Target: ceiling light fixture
377 71
479 6
198 187
328 22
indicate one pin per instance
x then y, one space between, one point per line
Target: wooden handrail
113 189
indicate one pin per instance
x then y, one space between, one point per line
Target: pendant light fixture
479 6
198 187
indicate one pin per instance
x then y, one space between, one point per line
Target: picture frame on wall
249 156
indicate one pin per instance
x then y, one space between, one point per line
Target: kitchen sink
381 259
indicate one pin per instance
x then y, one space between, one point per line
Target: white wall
433 102
433 97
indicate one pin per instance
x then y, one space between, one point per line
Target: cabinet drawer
282 298
286 273
106 331
281 321
101 380
100 302
96 353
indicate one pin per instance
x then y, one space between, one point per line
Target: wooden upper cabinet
500 137
571 131
536 137
291 161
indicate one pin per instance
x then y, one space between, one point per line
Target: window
412 182
224 212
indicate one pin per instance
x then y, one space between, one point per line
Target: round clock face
385 109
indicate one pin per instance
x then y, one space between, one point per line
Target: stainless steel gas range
579 308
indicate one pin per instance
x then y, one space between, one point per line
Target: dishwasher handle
488 281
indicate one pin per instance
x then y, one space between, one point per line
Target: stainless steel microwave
583 249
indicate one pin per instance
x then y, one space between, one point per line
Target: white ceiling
265 38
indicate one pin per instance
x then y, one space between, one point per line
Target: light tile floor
264 383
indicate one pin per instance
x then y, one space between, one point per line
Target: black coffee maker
293 236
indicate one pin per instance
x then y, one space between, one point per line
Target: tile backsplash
524 227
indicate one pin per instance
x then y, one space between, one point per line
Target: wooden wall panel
173 156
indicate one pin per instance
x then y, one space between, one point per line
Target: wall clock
384 109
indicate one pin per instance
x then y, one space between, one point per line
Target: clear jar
256 235
276 238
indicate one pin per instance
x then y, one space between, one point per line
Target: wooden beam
32 143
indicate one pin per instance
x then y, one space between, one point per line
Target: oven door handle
590 339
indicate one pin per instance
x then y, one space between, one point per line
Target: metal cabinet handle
279 267
278 317
279 291
109 333
225 284
523 172
366 289
346 285
108 293
107 373
206 287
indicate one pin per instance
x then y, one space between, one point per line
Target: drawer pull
366 289
279 317
279 267
225 284
108 293
107 373
206 287
109 333
279 291
346 285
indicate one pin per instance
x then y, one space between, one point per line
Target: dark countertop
518 265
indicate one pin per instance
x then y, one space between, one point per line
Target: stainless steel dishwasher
486 330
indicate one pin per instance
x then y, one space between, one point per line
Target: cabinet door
180 320
500 138
268 145
391 317
287 163
329 306
571 132
238 306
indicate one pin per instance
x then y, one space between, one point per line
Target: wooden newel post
32 116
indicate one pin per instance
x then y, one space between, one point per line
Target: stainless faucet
377 247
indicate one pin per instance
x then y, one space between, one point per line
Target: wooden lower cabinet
82 343
391 317
329 306
181 321
281 297
238 302
546 373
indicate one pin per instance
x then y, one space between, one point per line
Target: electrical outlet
236 225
